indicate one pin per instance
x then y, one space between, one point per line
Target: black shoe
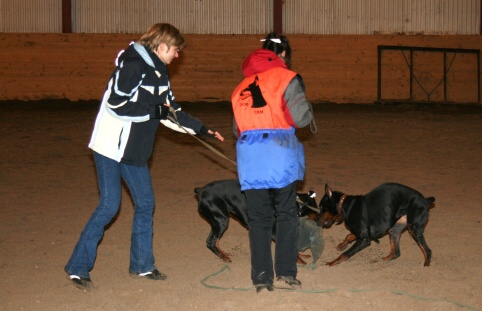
151 275
81 283
260 287
287 282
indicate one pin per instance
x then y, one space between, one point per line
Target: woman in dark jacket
138 97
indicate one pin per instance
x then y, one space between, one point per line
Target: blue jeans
138 180
262 204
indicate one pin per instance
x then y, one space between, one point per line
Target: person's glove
161 112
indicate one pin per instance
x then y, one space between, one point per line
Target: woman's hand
206 131
216 134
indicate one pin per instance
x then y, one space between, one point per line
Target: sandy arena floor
48 190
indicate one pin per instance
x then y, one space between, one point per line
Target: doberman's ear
328 191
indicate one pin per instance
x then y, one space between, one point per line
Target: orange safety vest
268 153
258 101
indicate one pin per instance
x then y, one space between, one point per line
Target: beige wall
336 68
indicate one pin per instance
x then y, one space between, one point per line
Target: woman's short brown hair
162 33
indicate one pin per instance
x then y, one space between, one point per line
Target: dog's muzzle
326 220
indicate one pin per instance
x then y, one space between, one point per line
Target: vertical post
66 16
478 76
379 80
411 74
278 16
445 76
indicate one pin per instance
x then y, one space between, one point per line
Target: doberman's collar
340 204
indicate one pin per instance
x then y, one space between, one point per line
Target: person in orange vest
268 105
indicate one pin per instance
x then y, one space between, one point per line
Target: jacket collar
261 60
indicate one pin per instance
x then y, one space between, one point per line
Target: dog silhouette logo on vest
253 91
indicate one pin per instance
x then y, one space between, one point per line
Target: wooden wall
341 69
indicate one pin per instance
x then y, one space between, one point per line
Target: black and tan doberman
389 208
218 200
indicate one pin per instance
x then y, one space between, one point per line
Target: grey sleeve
235 127
299 108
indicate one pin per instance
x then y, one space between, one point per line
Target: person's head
164 40
280 45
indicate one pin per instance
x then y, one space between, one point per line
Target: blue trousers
262 205
138 180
